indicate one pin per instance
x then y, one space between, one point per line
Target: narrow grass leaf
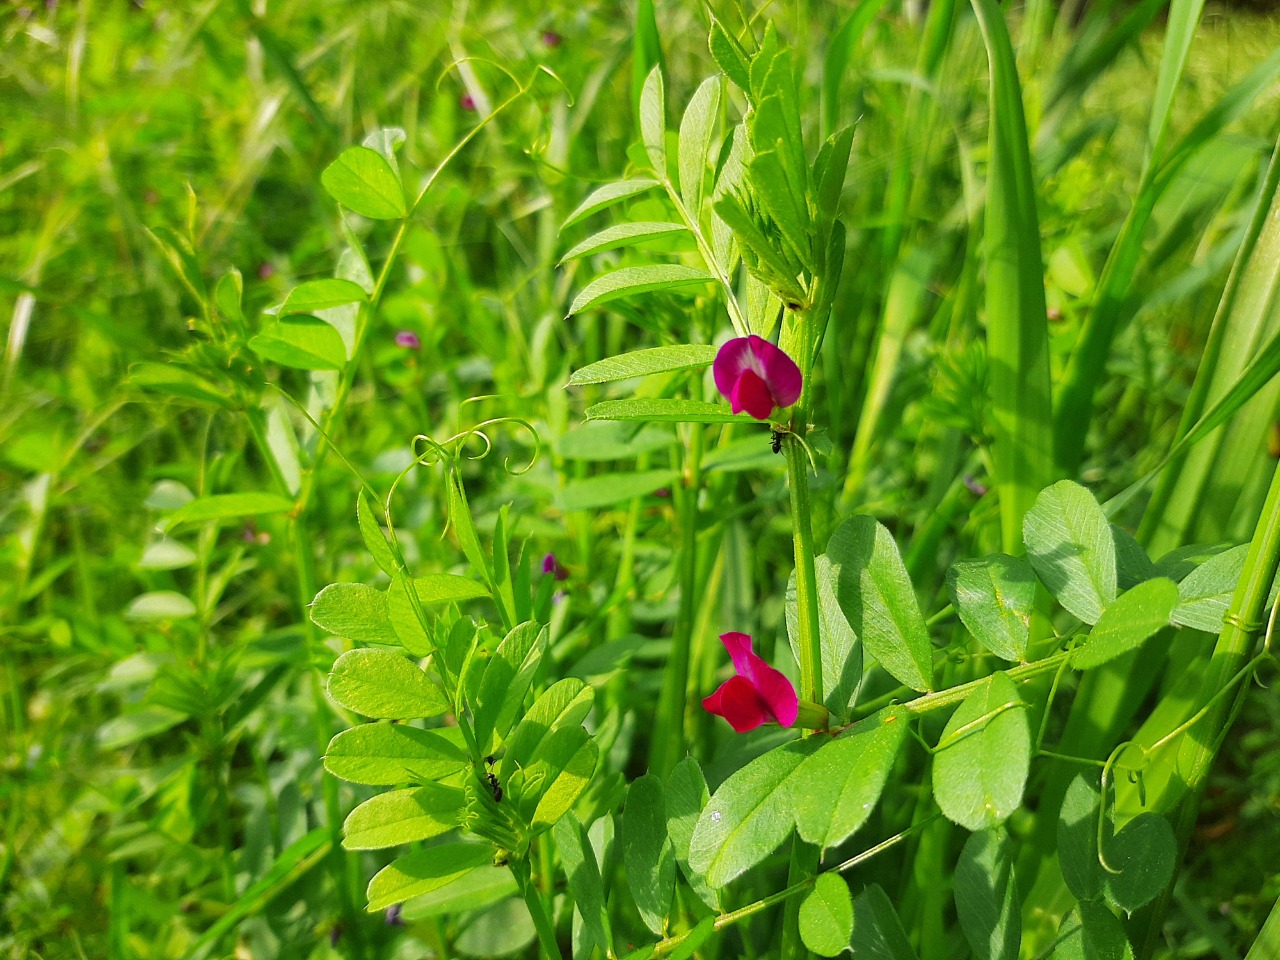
1132 618
826 916
631 281
983 756
644 363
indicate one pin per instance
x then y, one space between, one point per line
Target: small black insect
495 786
490 760
776 441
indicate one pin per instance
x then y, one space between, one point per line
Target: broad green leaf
1094 934
227 506
166 555
696 130
1143 855
506 680
389 754
609 488
647 852
622 235
567 777
160 605
565 703
606 196
995 597
983 756
447 588
877 931
879 602
612 440
405 622
1132 563
749 816
403 816
630 281
1070 545
686 798
375 541
1078 840
471 891
585 886
504 929
835 789
644 363
653 122
385 686
355 611
987 900
362 180
1132 618
841 652
666 411
304 343
826 916
426 870
320 295
1204 595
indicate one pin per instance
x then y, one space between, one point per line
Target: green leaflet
606 196
877 931
403 816
1132 618
304 343
426 870
647 852
995 597
983 756
362 180
622 235
1071 547
826 916
355 611
630 281
388 754
319 295
686 798
987 900
666 411
585 885
385 686
644 363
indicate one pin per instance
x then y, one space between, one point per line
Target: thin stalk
541 921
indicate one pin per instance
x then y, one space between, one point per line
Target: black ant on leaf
494 785
775 440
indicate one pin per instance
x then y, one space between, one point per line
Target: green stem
541 921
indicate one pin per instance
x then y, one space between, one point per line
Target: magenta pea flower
758 694
467 102
552 566
756 376
408 339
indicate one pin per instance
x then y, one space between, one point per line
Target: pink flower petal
780 372
739 647
775 691
733 358
739 703
751 394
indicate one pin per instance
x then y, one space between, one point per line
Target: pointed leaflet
644 363
1071 547
303 343
995 597
826 916
406 620
319 295
987 901
879 601
686 798
388 754
1204 595
385 686
647 852
622 235
567 774
981 764
1132 563
362 180
630 281
417 873
1131 618
606 196
505 681
835 790
660 410
696 130
403 816
653 121
565 704
226 506
841 652
375 541
749 816
585 885
877 931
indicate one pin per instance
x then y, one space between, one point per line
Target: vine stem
537 909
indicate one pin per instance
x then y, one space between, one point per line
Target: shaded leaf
643 363
630 281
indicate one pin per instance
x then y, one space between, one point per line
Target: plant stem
541 921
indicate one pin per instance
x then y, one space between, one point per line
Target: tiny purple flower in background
977 488
467 102
758 694
266 270
551 565
550 38
392 916
756 376
408 339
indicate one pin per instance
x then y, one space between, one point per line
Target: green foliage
826 916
